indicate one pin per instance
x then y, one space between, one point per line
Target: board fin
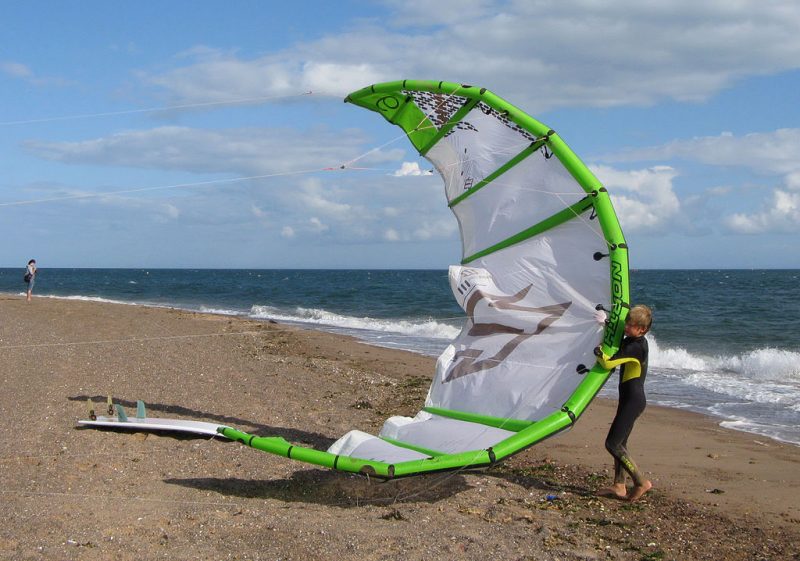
90 405
140 412
121 416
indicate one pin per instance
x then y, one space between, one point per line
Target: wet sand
76 493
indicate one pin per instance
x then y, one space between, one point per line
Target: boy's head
639 320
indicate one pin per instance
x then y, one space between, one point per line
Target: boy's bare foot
639 490
616 491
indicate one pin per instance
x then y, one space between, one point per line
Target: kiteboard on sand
117 418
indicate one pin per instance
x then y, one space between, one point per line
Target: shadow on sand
337 489
532 478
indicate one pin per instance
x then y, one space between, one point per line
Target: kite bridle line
129 340
162 187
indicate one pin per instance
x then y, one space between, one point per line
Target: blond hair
640 316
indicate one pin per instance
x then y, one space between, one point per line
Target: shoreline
84 493
341 331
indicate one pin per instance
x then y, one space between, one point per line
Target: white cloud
770 154
442 12
781 214
435 230
112 205
317 225
172 211
793 181
720 190
24 72
423 230
643 199
250 151
16 69
271 178
315 197
773 152
410 168
214 76
143 208
541 54
334 77
350 209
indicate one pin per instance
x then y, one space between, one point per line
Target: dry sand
76 493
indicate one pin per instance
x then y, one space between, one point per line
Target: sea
725 343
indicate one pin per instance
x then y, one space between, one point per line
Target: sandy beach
78 493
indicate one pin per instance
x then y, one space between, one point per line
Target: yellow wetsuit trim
632 370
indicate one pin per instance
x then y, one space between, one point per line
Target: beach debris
715 491
393 514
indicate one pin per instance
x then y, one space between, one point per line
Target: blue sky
196 134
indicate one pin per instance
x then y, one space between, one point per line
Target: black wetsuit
632 402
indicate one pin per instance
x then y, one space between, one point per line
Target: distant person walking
30 277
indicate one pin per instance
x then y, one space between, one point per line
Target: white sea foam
218 311
776 432
89 299
677 358
761 376
769 364
755 365
772 393
416 328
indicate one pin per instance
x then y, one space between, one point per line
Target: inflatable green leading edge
542 252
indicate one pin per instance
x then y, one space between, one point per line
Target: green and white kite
542 253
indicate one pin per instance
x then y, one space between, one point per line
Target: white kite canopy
530 296
542 252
